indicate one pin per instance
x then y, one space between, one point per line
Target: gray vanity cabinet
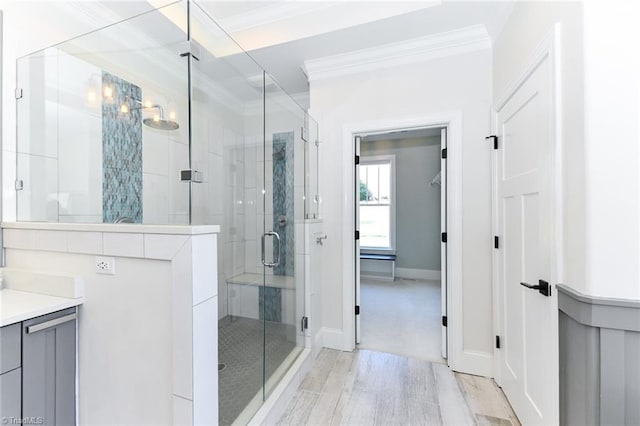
10 373
49 368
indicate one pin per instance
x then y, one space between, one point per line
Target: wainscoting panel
599 359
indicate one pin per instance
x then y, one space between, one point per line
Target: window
377 209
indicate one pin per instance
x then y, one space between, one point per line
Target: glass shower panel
282 295
227 151
102 125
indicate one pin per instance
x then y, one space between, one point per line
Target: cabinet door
49 367
10 396
10 347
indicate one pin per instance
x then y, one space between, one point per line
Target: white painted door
524 179
357 227
443 228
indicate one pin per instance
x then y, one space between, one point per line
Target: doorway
400 246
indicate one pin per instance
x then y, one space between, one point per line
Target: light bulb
172 116
148 104
124 108
92 89
156 118
107 92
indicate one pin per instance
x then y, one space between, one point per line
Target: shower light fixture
158 120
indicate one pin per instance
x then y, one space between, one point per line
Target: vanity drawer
10 347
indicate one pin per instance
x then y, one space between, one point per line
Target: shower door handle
276 251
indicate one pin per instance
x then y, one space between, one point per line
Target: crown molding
421 49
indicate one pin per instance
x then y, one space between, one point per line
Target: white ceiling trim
457 42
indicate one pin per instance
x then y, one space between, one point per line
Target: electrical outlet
105 265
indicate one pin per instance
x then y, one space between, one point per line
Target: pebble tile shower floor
240 342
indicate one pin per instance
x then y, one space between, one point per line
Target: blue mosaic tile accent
270 299
283 200
121 152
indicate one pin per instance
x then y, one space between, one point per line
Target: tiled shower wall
60 148
59 140
283 200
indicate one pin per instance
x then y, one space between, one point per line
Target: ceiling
284 59
279 35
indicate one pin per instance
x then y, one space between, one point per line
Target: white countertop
16 306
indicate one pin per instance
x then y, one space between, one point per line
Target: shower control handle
276 251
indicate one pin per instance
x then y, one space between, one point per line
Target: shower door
281 300
247 152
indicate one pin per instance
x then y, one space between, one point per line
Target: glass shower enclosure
163 119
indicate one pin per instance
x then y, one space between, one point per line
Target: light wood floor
375 388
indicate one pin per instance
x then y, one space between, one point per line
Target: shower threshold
250 410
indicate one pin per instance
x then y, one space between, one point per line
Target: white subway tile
51 240
20 239
205 267
182 317
85 242
159 246
205 362
182 411
123 244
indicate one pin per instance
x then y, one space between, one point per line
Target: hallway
373 388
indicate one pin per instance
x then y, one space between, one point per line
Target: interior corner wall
456 83
612 139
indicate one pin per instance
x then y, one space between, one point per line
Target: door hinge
19 93
444 320
304 323
494 138
357 235
357 309
444 153
497 342
357 159
496 241
19 185
444 237
190 48
191 176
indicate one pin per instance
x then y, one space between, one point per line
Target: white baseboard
318 343
418 274
332 338
376 277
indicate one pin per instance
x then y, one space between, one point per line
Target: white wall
458 83
599 105
612 145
